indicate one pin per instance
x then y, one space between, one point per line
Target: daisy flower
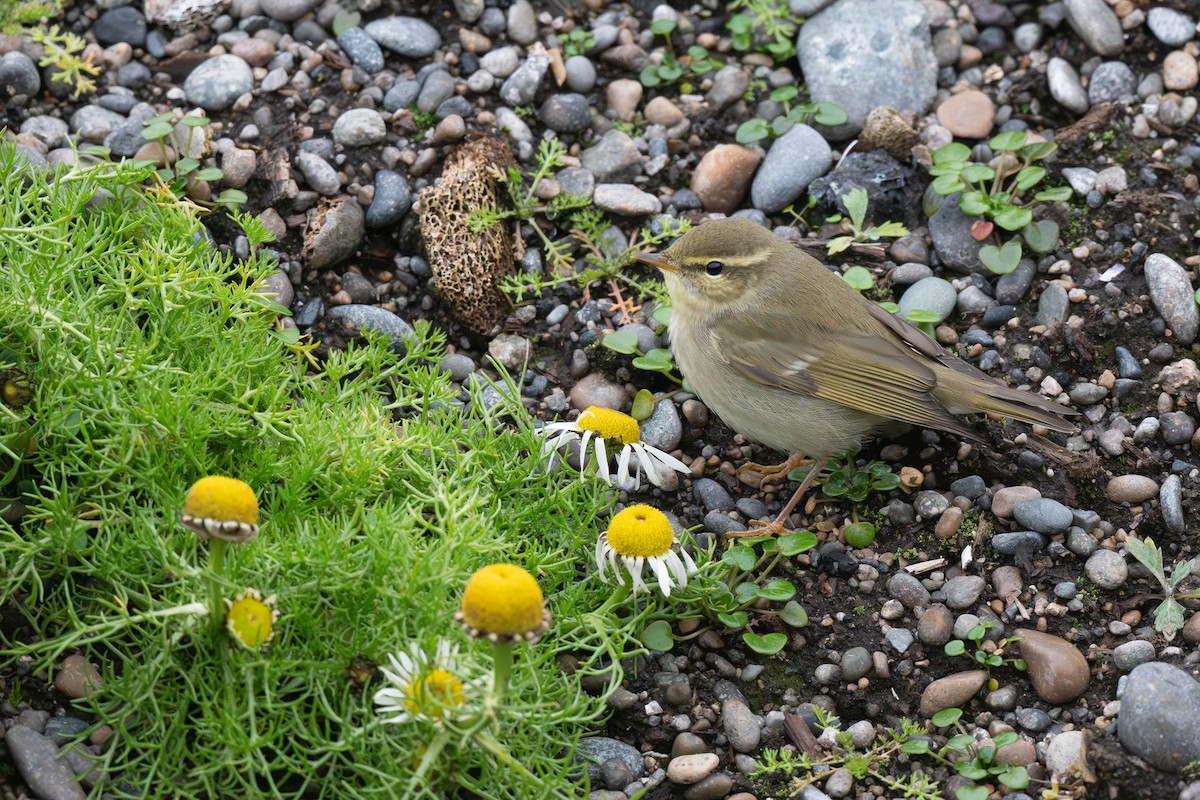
503 602
426 687
221 508
608 428
641 535
250 618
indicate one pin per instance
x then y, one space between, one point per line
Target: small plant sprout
426 687
62 54
638 536
997 195
757 128
696 61
601 426
1168 617
975 757
856 202
250 618
987 655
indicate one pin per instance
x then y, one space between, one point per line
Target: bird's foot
758 474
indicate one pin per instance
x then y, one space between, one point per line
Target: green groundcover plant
138 358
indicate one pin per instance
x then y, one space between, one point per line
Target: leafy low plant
182 172
976 760
853 481
856 202
823 113
660 359
873 762
577 42
62 53
696 61
1001 197
1168 617
766 26
988 659
745 583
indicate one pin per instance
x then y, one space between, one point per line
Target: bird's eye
714 268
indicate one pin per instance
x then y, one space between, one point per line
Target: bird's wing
871 373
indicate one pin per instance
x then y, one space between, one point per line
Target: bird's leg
777 527
757 474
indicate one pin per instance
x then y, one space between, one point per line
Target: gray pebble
1011 543
364 51
870 53
1170 499
1127 364
1160 704
286 10
1097 25
1111 81
595 750
391 202
1043 515
1081 179
721 524
402 94
1086 394
1080 543
742 727
613 159
794 161
930 504
318 173
334 234
1169 26
217 82
1052 306
521 87
963 591
711 495
1107 569
1033 719
364 317
908 590
1013 286
522 23
909 273
408 36
124 24
625 200
568 113
856 663
501 62
359 127
36 757
1176 427
971 487
899 638
1065 86
663 429
1128 655
751 508
581 74
1173 296
437 88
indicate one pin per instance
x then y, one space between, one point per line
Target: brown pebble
1058 671
1191 629
1006 499
949 523
723 175
1131 489
77 678
951 691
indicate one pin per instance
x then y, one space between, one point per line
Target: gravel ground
338 140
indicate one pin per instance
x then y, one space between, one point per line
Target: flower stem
216 567
502 654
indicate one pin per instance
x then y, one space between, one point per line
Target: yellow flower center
610 424
502 599
434 693
640 530
223 499
251 619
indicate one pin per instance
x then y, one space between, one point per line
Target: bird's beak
657 260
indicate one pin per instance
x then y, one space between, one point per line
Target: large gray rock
862 54
1158 715
794 161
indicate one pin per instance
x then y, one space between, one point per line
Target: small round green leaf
794 614
657 636
859 534
795 543
859 277
643 405
767 645
946 717
621 342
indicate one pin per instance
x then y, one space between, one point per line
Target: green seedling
1168 617
856 202
999 196
62 53
695 62
757 128
766 26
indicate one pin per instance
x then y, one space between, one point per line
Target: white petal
634 565
646 463
602 460
601 543
663 574
623 469
668 460
587 435
612 562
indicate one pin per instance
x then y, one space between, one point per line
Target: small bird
791 356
